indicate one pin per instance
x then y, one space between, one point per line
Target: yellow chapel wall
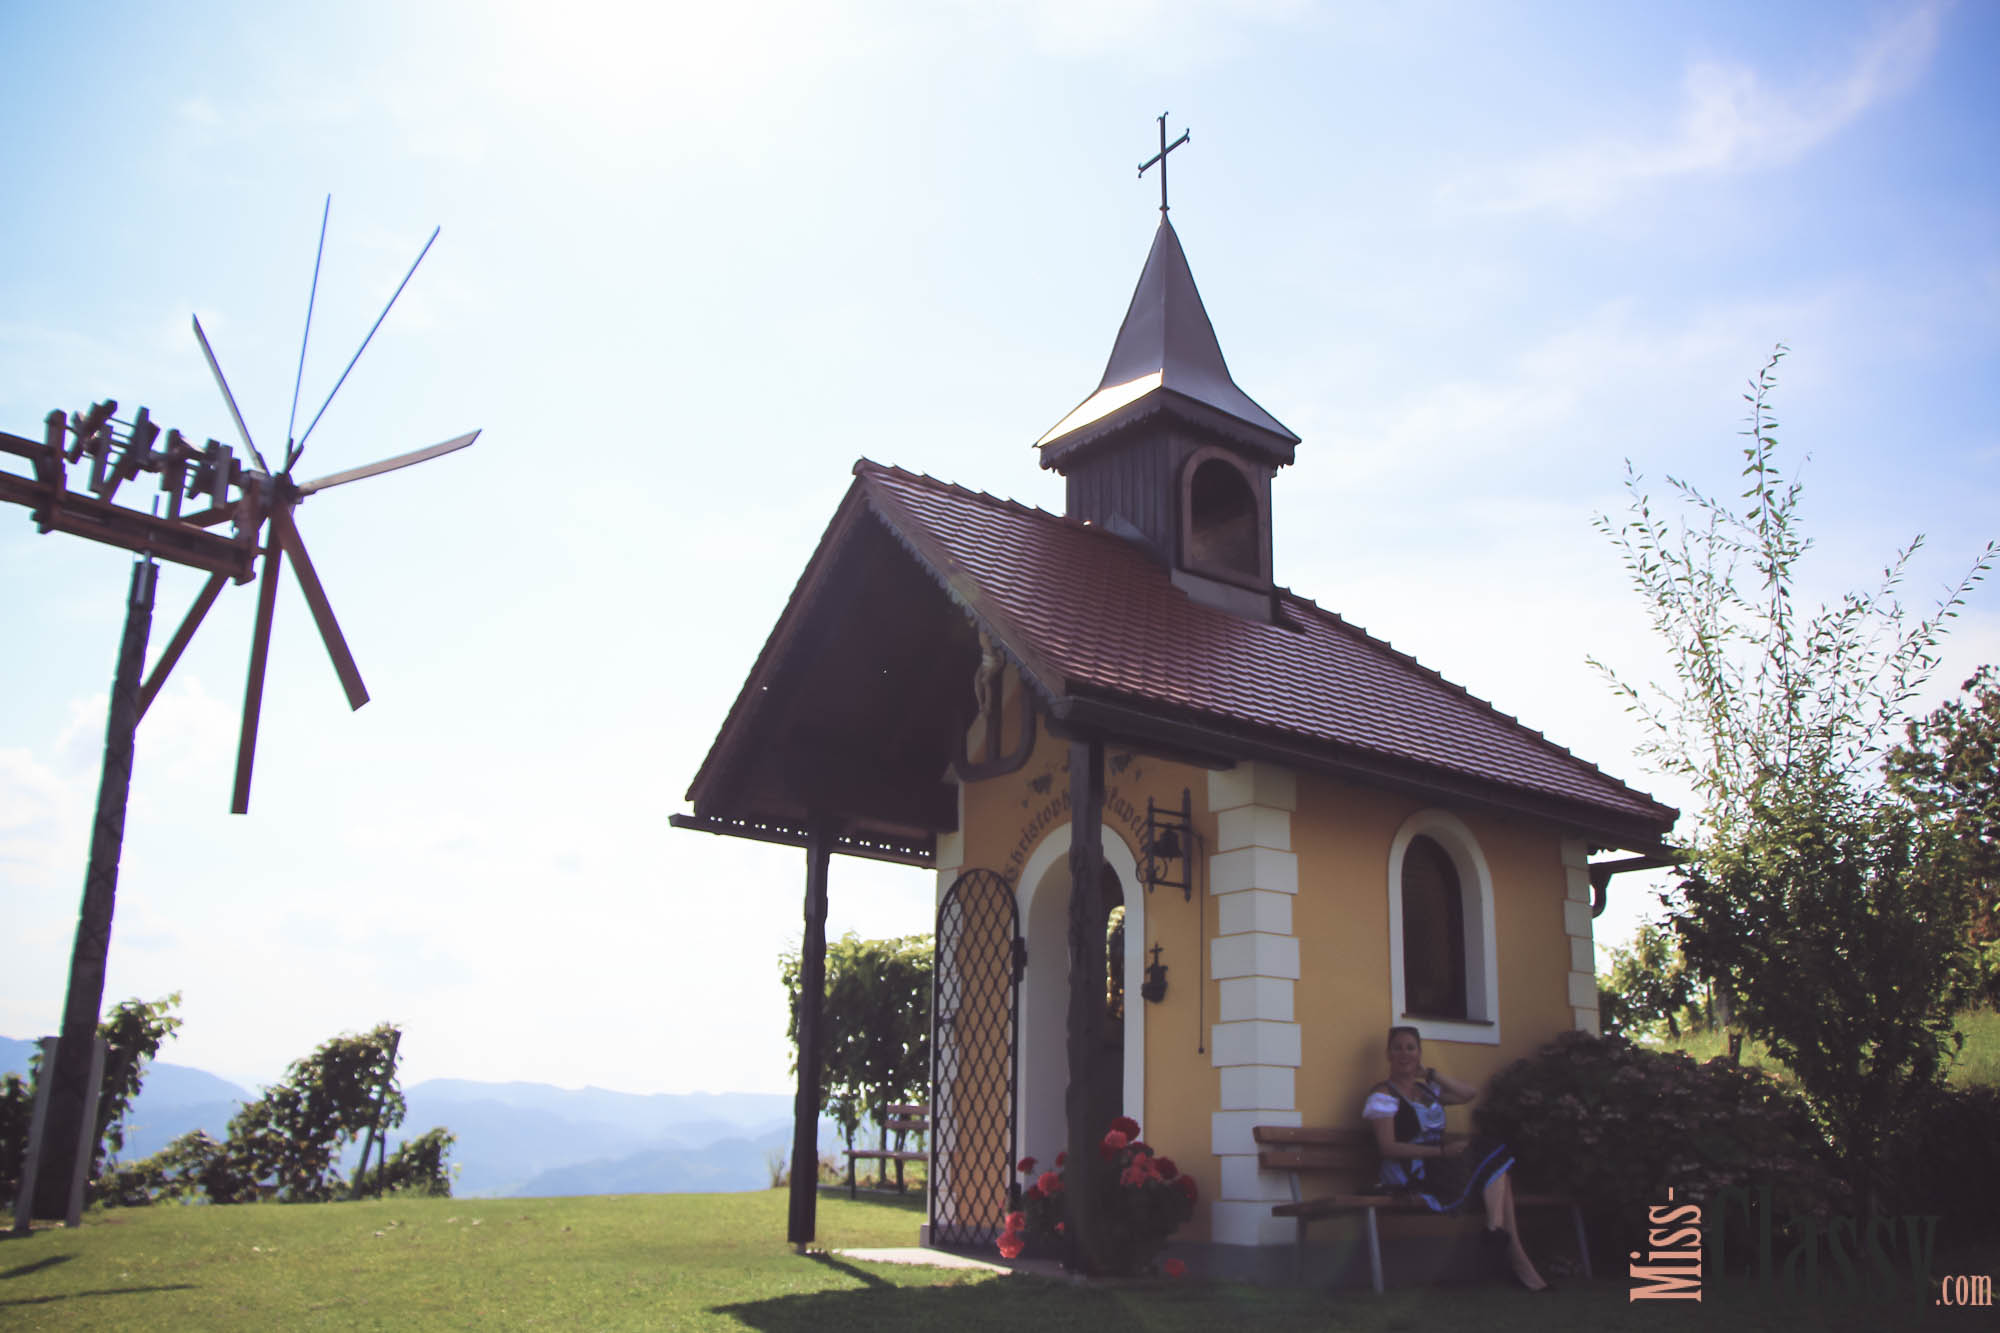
1339 1003
1344 834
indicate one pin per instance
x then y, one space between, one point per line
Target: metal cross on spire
1161 158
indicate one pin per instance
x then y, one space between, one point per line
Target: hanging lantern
1170 846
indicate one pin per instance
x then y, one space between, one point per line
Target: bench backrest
1347 1155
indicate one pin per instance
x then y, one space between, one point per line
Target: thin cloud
1730 121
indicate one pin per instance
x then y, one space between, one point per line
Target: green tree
287 1143
1948 769
875 1040
1649 989
1810 897
1845 942
133 1035
1765 692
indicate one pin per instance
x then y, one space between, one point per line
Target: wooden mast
68 1146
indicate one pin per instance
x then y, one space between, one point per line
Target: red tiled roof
1087 612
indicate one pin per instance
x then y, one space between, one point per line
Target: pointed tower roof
1166 358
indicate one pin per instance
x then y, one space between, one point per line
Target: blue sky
695 263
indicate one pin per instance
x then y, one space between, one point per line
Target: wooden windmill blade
253 690
287 533
389 464
273 498
215 369
284 539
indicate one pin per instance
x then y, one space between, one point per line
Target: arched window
1223 521
1443 963
1433 933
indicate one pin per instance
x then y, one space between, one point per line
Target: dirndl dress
1444 1184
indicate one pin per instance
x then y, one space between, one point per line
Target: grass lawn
1978 1061
718 1261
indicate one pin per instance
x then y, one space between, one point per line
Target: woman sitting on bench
1407 1109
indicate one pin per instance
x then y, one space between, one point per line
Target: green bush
417 1166
192 1165
1949 1162
1617 1125
17 1109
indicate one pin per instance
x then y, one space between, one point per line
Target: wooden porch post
1088 1112
812 999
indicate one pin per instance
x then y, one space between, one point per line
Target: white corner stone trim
1582 979
1253 875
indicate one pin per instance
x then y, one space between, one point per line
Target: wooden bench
904 1119
1345 1160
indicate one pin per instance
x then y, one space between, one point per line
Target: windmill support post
69 1140
1087 1104
804 1200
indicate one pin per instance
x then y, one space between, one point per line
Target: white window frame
1475 885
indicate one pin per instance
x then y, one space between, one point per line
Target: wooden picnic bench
1344 1162
903 1119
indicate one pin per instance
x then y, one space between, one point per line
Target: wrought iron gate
976 1011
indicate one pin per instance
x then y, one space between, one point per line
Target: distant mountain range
523 1139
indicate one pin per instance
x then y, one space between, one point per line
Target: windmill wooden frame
201 489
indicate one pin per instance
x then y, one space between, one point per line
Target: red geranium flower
1173 1268
1032 1192
1027 1167
1185 1184
1062 1160
1114 1143
1166 1167
1010 1245
1141 1147
1050 1183
1127 1126
1017 1221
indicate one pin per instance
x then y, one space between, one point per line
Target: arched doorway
1043 1081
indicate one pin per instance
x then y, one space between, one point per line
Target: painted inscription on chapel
1046 797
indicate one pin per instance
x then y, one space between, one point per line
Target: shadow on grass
839 1265
48 1261
1024 1302
102 1291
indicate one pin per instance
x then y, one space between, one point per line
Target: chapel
1198 840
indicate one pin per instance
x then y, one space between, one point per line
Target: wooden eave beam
1602 871
867 845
